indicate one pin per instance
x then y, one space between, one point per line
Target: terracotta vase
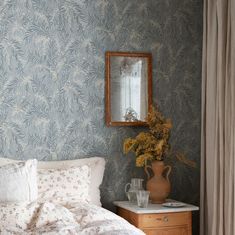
158 185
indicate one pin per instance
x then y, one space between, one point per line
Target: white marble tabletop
154 208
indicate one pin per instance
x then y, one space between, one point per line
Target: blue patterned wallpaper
52 81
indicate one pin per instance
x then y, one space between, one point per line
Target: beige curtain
218 119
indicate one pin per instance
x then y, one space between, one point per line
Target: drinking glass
142 198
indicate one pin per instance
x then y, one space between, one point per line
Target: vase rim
157 161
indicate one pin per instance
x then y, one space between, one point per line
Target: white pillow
18 182
97 165
64 185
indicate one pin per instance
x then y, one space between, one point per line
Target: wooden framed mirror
128 88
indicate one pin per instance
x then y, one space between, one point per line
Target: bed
56 198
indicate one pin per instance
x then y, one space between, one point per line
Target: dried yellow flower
142 159
152 145
128 145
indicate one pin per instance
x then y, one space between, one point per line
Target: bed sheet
51 219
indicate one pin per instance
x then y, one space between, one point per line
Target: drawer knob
165 219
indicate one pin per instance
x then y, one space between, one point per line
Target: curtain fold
218 119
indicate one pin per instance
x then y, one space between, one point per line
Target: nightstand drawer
166 219
158 220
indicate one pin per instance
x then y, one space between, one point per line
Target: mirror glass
129 87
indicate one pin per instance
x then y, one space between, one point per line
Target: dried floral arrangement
154 144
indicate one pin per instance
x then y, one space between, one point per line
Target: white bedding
51 218
97 165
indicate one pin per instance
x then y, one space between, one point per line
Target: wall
52 81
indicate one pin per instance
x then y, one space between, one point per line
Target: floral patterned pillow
64 185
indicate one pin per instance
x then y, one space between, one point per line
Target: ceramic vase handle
168 171
128 184
146 170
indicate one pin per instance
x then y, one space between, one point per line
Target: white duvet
50 218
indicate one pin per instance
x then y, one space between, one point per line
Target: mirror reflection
129 86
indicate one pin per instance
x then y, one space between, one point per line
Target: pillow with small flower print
64 185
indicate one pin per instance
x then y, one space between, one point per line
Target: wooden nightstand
158 220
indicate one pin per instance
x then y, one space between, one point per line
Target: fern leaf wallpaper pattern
52 81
